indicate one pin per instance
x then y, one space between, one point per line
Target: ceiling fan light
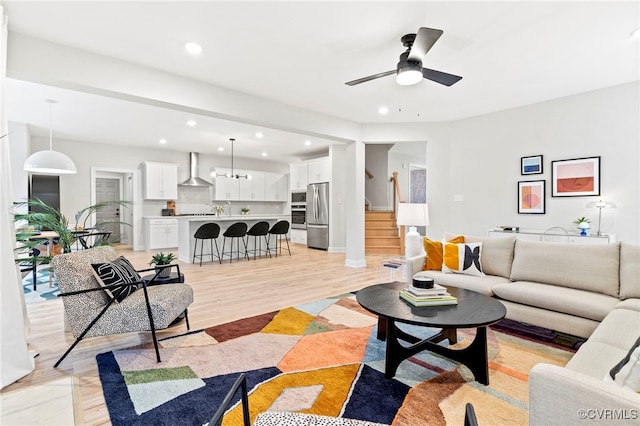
49 162
409 76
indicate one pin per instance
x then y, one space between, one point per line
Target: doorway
108 190
119 184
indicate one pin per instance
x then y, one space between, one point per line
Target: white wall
485 162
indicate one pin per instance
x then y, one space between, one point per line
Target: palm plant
48 217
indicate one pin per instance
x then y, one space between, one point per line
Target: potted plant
47 217
583 225
162 259
245 210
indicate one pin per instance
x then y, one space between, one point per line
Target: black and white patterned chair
92 311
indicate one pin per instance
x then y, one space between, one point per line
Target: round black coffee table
474 310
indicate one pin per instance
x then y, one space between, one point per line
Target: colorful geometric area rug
42 292
320 358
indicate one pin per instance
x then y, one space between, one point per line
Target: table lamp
412 215
600 205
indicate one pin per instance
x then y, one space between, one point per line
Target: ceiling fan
409 70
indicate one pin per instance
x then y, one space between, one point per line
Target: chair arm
414 265
559 396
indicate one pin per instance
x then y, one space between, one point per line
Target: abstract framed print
531 195
578 177
531 165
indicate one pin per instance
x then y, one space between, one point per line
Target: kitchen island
187 226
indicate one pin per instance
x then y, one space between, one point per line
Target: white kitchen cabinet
319 170
276 187
161 233
299 177
252 188
299 236
160 181
225 188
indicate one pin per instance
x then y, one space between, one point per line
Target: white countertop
221 218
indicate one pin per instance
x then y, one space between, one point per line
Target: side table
174 277
396 268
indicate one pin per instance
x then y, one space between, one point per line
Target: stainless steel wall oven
299 210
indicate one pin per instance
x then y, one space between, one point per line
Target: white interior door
107 190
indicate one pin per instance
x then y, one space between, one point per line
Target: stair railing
397 198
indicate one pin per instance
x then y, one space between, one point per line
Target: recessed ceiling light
162 141
383 110
193 48
264 154
191 123
307 143
220 148
259 135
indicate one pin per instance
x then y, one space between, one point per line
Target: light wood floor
222 293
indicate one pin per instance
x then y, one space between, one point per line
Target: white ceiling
301 53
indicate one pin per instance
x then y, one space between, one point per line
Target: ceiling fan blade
371 77
425 39
440 77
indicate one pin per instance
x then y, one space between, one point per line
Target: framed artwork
578 177
531 197
531 165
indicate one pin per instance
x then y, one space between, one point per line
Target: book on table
428 301
421 297
436 290
396 262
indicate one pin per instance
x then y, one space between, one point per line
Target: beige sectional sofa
586 290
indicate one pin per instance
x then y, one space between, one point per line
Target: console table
555 235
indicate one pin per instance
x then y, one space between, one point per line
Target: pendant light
232 175
50 162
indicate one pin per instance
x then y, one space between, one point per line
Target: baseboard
355 263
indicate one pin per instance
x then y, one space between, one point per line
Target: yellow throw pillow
462 259
434 253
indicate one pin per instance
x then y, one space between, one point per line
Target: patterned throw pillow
433 262
627 372
120 271
462 259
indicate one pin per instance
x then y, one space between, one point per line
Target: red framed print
577 177
531 197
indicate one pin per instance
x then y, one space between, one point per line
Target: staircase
381 233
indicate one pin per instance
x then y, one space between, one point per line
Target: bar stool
279 229
208 231
260 229
237 230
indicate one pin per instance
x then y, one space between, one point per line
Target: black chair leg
84 333
151 324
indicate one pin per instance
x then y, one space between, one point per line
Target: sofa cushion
627 372
479 284
629 270
619 329
497 253
462 259
587 267
595 359
585 304
118 271
433 249
633 304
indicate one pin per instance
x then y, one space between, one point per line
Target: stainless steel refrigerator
318 215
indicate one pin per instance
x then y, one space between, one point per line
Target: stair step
381 241
382 250
380 232
380 223
378 214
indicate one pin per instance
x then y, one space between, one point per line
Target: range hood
194 172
